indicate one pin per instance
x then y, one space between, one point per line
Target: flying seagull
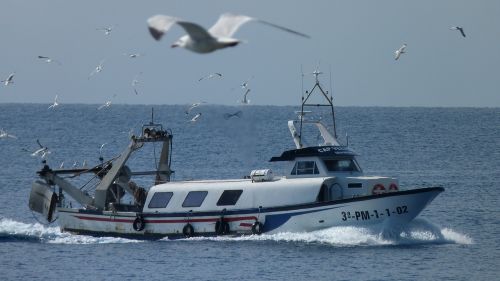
194 105
97 69
54 104
245 100
106 30
48 59
43 151
461 29
4 134
133 55
195 118
135 81
9 80
200 40
106 104
399 51
210 76
230 115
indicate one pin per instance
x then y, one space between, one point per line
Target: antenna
302 73
152 116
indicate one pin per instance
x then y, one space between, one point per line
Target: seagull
43 151
49 60
230 115
196 104
245 100
210 76
135 82
133 55
200 40
54 104
106 104
195 118
244 85
461 29
4 134
9 79
107 30
399 51
62 165
97 69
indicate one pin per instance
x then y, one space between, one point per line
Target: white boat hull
396 208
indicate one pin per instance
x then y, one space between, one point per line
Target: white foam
50 234
417 232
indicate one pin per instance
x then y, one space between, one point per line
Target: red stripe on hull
106 219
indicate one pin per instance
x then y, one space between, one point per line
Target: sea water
457 237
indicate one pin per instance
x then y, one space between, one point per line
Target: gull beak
174 45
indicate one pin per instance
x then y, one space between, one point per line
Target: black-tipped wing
159 25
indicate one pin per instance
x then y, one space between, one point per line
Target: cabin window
229 197
340 165
305 168
194 198
160 199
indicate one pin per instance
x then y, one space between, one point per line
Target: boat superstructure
324 187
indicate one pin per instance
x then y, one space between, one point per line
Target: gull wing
195 31
160 24
228 24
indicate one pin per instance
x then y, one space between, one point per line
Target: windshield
341 165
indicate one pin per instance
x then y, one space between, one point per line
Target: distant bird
84 164
62 165
75 164
106 30
43 151
459 29
133 55
210 76
97 69
135 81
54 104
244 85
195 118
200 40
194 105
4 134
100 150
106 104
230 115
9 80
49 60
245 100
399 51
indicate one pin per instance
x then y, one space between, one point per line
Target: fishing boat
324 186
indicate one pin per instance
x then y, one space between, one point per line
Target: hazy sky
356 39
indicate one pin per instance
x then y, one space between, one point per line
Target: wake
14 231
419 231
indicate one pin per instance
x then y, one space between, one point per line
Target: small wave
11 231
417 232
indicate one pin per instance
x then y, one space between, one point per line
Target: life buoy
378 189
221 227
188 230
139 223
257 227
393 187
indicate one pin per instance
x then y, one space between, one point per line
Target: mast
328 103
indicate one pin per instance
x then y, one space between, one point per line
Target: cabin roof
321 151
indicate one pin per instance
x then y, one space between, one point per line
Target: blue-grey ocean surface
457 237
